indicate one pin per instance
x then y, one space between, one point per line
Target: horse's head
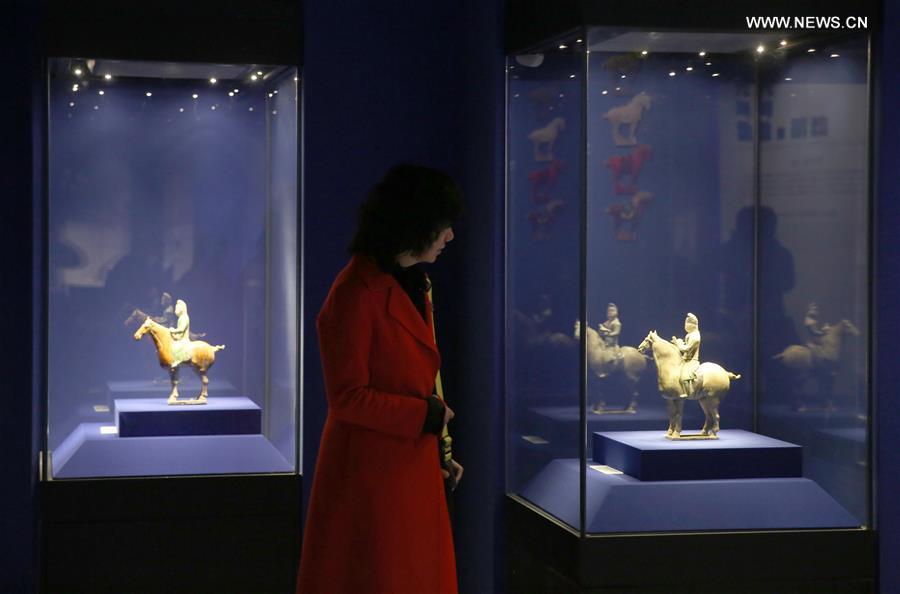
642 99
647 342
559 123
847 327
143 329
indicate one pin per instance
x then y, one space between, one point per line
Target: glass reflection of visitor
690 354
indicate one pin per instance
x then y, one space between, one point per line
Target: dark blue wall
887 319
422 82
20 415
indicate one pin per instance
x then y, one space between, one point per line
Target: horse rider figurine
181 335
610 330
815 332
690 354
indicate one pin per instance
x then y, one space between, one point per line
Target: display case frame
564 557
120 526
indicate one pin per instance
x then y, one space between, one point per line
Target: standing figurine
690 354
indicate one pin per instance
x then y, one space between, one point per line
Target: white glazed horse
544 139
711 385
629 115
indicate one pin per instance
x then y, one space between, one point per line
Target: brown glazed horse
203 355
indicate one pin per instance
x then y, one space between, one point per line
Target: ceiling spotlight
275 91
571 76
274 112
811 50
253 77
760 49
107 76
101 92
270 95
213 108
75 88
623 76
618 88
604 92
709 63
180 110
149 94
231 94
644 53
835 55
672 73
237 91
788 78
783 42
96 107
213 81
259 73
78 71
563 46
689 68
249 109
715 74
71 104
296 78
701 54
195 95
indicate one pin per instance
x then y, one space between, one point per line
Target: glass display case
688 280
173 269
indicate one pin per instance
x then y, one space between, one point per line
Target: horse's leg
713 406
173 375
707 424
204 381
679 413
670 408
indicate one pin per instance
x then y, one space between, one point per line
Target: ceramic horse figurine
818 361
544 139
602 361
627 115
711 385
203 355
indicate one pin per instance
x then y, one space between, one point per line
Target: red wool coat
377 519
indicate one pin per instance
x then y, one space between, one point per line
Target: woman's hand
448 414
457 470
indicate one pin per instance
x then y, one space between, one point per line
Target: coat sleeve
345 328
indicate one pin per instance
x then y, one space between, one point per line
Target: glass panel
726 178
814 260
168 183
544 267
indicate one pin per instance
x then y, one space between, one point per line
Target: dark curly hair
405 211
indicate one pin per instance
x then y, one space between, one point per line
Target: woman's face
434 250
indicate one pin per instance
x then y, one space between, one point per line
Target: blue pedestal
622 504
153 417
737 454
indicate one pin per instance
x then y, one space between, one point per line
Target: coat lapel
400 307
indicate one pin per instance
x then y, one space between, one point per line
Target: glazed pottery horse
602 361
203 355
710 387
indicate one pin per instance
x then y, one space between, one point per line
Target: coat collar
400 306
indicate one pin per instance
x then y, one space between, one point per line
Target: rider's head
691 323
612 311
180 307
812 309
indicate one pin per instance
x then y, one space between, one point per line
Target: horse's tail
734 376
218 348
779 356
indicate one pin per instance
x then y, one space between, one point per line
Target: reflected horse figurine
819 361
203 355
711 385
602 361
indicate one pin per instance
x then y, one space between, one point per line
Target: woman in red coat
378 518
